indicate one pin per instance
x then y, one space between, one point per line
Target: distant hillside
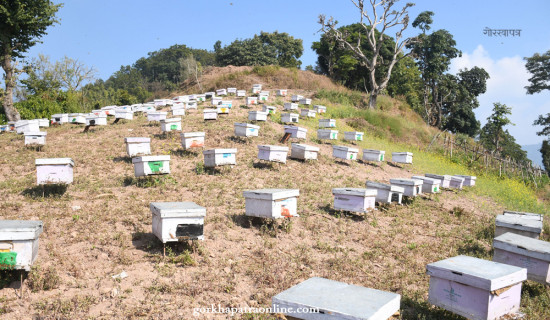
533 153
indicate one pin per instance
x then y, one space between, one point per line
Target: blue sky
107 34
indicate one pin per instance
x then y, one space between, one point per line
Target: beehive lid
35 133
291 114
158 112
171 120
523 245
273 148
137 140
214 151
374 151
345 149
327 131
20 229
407 182
361 192
340 300
75 114
210 111
518 222
438 177
177 209
525 215
327 120
258 112
151 158
458 179
466 177
305 147
247 125
319 107
59 115
192 134
271 194
353 132
54 161
402 153
426 179
378 185
479 273
295 128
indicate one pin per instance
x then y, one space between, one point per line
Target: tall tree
493 132
22 24
381 17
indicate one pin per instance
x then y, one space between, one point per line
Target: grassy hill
101 225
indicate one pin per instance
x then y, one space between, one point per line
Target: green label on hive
174 127
435 189
359 137
155 166
7 260
381 157
333 136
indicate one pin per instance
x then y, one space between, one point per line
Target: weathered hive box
231 90
241 93
173 221
210 114
54 171
305 101
320 109
296 132
192 140
327 123
191 105
354 199
156 115
125 114
387 193
290 106
353 136
456 182
172 124
309 113
290 117
373 155
251 100
524 252
272 153
22 126
282 92
444 180
257 116
303 151
271 203
222 109
216 101
93 120
246 130
343 152
138 146
411 187
221 92
151 165
469 181
37 138
269 109
296 98
326 134
77 118
336 300
19 243
475 288
522 223
219 157
43 123
429 185
60 118
402 157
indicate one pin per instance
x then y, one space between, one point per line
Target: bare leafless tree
73 73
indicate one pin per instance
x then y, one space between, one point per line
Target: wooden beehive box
429 185
296 132
54 171
241 93
138 146
22 126
246 130
221 92
282 92
271 203
475 288
296 98
210 114
43 123
320 109
126 114
305 101
353 136
411 187
220 157
345 153
156 115
303 151
290 118
524 252
272 153
444 180
171 124
327 123
354 199
269 109
456 182
192 140
37 138
96 120
257 116
402 157
323 299
151 165
386 192
290 106
174 221
60 118
19 243
373 155
232 91
469 181
522 223
308 113
326 134
77 118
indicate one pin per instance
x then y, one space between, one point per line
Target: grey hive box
386 192
173 221
475 288
444 180
330 300
19 243
523 223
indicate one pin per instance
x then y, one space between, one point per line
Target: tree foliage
545 151
539 67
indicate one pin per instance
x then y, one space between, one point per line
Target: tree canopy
539 67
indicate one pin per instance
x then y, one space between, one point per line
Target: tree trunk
11 113
372 99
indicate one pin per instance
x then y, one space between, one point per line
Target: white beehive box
221 92
256 90
126 114
251 100
269 109
174 221
429 185
263 97
320 109
156 115
469 181
171 124
22 126
43 123
19 243
373 155
151 165
4 128
343 152
290 117
226 103
296 98
222 109
216 101
444 180
198 97
456 182
524 252
326 134
210 114
232 90
308 113
210 94
180 111
272 153
522 223
290 106
99 113
159 102
219 157
257 85
93 120
246 130
296 132
327 123
241 93
353 136
411 187
305 101
77 118
191 105
138 146
35 138
386 192
402 157
475 288
257 116
271 203
354 199
303 151
192 140
54 171
282 92
336 300
60 118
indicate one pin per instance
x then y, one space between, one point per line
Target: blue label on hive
227 155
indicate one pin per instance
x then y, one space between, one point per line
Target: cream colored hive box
402 157
138 146
303 151
353 136
220 157
308 113
327 123
354 199
272 153
172 124
345 153
522 223
192 140
151 165
54 171
325 134
296 132
174 221
429 185
35 138
271 203
210 114
156 115
246 130
411 187
373 155
257 116
290 118
19 243
387 193
290 106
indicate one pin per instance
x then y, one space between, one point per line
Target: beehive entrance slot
189 231
395 197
